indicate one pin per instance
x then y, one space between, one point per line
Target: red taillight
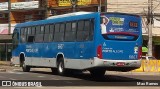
99 51
139 52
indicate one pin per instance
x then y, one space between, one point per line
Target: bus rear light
139 52
99 51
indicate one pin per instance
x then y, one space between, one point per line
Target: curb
2 70
134 73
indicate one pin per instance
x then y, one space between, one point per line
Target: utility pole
150 22
9 16
99 7
46 8
74 5
105 6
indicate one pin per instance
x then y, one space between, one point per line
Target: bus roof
70 14
59 18
120 13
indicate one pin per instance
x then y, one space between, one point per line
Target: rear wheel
25 68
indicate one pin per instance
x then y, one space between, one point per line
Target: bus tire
60 66
25 68
97 73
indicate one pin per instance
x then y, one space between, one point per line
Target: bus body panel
77 54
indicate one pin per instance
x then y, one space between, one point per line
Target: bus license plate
120 63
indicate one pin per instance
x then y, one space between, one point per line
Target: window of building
28 18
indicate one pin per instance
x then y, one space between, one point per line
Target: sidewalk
5 62
6 66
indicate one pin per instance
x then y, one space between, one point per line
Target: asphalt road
111 79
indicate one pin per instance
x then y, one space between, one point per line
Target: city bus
80 41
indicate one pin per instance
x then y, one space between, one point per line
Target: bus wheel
25 68
97 73
60 66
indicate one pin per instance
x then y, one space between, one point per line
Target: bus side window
59 32
70 31
51 33
86 30
22 32
47 34
91 32
83 30
80 29
30 37
39 34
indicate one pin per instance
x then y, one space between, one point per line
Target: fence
149 66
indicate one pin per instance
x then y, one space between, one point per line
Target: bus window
46 34
74 26
91 32
69 33
23 38
51 32
33 30
29 31
83 30
59 32
39 34
30 39
86 29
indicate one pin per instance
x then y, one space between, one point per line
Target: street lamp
74 5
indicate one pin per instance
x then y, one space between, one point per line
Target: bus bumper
117 65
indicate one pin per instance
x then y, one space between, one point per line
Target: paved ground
79 80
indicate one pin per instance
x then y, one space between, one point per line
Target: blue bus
80 41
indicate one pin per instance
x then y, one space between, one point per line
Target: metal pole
6 51
150 18
9 16
105 6
46 9
100 5
74 5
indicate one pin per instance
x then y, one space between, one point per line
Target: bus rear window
120 36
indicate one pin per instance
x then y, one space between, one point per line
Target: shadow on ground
88 77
